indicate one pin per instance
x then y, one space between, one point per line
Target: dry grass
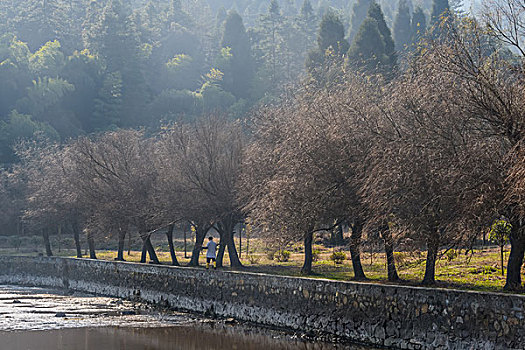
478 270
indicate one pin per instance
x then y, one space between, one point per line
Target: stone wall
393 316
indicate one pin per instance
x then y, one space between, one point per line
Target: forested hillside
74 67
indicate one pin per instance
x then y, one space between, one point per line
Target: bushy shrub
316 254
338 257
253 259
401 258
270 255
451 254
282 255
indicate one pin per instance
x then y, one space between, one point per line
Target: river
45 319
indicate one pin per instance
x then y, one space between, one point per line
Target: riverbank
478 269
380 315
34 318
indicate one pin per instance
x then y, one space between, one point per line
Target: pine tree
359 13
108 111
376 13
440 10
274 18
220 18
176 15
113 37
235 37
419 25
332 34
306 9
40 21
402 26
331 43
273 33
306 25
368 51
48 60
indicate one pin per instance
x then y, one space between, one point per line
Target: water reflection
177 337
43 319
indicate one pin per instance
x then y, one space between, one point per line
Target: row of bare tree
434 155
123 181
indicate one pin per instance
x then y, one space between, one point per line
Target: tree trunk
169 234
247 242
185 249
355 243
144 254
232 250
129 244
59 234
240 240
308 255
149 247
76 236
91 245
200 234
430 267
121 244
502 268
517 251
389 252
337 235
226 231
222 249
47 243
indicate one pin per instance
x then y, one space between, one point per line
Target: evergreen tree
440 9
368 51
241 72
331 43
376 13
48 60
15 75
306 9
220 18
84 72
274 20
332 34
176 15
117 41
113 38
108 104
306 28
40 21
275 54
359 13
419 25
402 26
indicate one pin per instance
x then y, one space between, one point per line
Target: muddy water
39 319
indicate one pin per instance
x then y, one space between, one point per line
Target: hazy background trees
402 120
76 67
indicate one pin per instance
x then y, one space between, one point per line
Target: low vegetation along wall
393 316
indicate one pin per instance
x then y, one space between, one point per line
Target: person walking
211 253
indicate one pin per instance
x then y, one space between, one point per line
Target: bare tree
13 189
52 201
441 157
205 159
116 181
302 171
490 83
